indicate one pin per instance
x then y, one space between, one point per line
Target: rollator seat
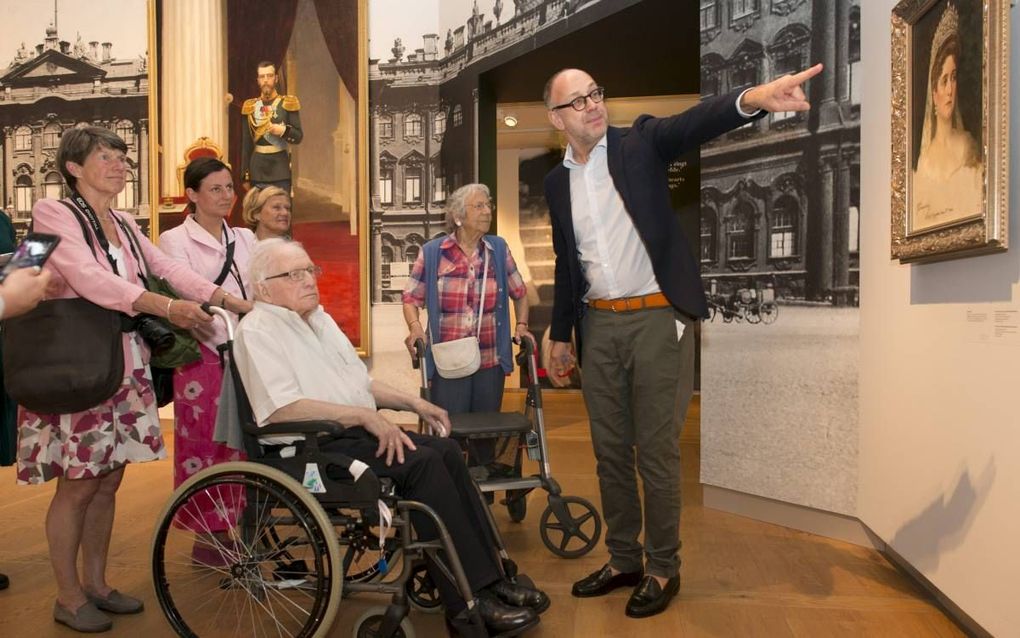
485 424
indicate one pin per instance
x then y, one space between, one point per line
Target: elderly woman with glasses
447 280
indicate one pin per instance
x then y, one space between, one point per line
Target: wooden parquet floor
740 577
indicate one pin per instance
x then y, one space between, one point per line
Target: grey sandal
87 619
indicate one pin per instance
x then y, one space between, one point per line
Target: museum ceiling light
510 121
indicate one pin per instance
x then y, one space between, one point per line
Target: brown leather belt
629 304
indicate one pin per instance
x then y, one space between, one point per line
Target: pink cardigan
78 274
190 244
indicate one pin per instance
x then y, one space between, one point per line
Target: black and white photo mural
779 247
64 65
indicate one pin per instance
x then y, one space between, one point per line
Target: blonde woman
266 210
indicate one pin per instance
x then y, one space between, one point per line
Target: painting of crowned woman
949 172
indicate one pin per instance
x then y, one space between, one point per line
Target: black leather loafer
503 619
603 581
649 598
518 595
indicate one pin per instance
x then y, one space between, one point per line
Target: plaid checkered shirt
459 282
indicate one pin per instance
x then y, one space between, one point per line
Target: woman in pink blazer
87 451
203 242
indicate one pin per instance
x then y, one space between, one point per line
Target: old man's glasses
579 103
299 274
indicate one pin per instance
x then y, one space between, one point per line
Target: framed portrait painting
298 73
950 128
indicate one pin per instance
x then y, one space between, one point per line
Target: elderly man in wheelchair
297 367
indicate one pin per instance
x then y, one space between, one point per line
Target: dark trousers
435 474
637 380
480 392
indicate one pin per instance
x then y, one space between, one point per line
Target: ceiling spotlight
510 121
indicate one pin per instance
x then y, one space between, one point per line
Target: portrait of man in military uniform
272 123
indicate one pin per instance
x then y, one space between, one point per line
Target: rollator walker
570 526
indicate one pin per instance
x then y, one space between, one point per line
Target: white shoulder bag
461 357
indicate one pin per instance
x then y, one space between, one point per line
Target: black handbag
49 365
66 355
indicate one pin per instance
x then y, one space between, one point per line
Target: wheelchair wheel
422 592
769 312
367 625
243 544
517 504
574 531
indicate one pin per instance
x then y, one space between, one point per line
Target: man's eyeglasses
579 103
299 274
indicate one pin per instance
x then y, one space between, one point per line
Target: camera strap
229 267
84 209
136 250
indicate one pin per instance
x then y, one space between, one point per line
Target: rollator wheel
517 504
367 625
575 533
245 545
422 591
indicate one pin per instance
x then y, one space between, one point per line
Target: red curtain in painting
339 23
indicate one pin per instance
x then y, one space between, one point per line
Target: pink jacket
190 244
78 274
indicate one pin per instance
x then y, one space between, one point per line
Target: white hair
456 204
265 255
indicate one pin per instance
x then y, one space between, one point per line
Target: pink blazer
190 244
76 273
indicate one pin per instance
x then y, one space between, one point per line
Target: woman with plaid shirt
451 297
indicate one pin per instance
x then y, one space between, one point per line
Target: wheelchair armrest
300 427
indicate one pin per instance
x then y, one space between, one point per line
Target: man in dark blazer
629 289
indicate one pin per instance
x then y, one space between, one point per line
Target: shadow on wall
944 524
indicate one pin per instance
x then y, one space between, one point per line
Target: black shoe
602 582
649 598
4 581
517 595
504 619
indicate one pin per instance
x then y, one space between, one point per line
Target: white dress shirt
613 257
283 358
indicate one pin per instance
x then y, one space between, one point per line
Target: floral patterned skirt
196 398
83 445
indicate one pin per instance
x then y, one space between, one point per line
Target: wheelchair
570 526
283 545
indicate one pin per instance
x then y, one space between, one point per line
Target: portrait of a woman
948 181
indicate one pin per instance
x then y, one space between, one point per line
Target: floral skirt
196 398
83 445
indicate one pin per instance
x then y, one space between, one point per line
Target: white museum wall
939 463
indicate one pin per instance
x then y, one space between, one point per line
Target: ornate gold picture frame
950 128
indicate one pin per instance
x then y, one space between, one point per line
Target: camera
156 334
